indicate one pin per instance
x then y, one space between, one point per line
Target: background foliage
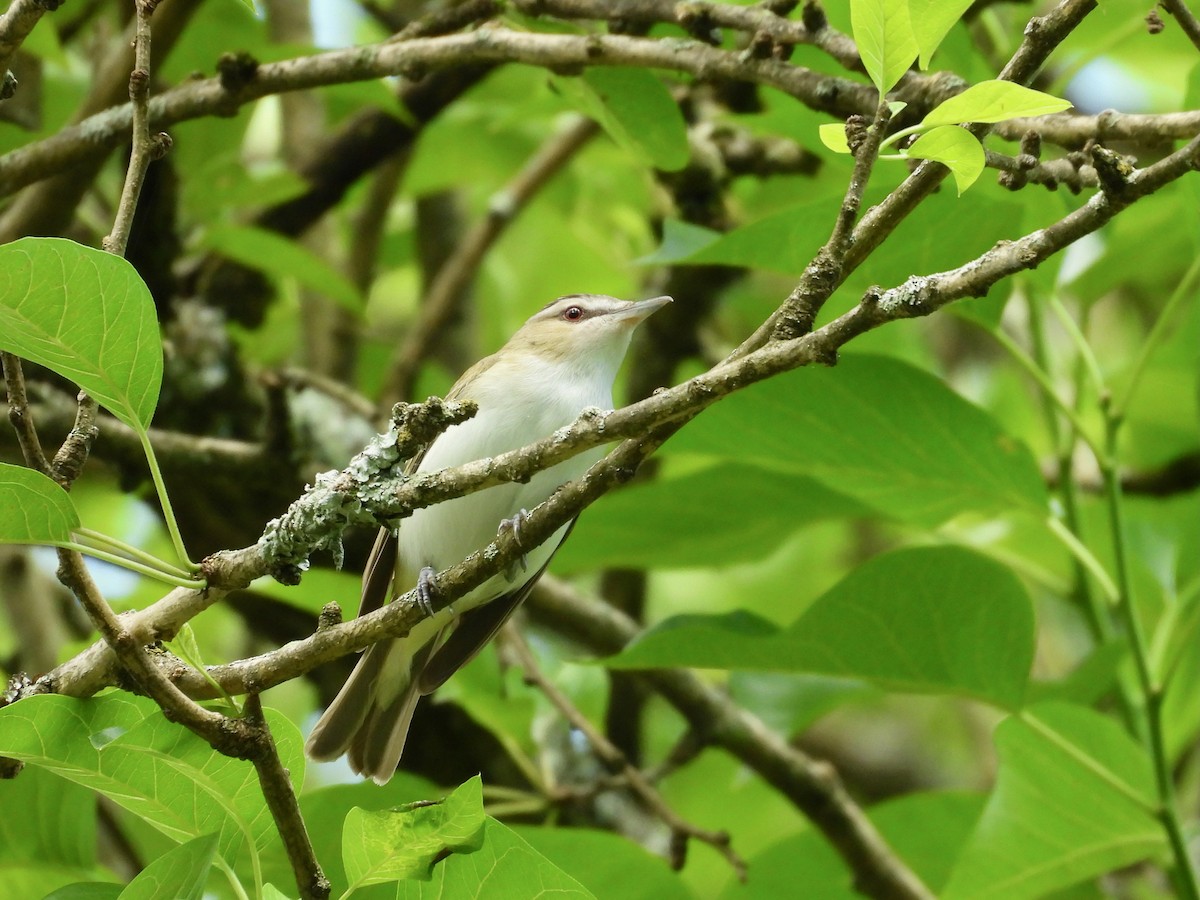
959 565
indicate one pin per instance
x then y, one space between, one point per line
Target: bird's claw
514 525
426 589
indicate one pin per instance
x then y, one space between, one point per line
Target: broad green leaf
123 747
833 136
884 34
503 866
1074 798
392 845
931 20
924 830
325 811
179 874
637 111
723 514
955 148
994 101
878 430
607 864
51 843
679 241
34 509
927 620
782 242
282 258
87 315
79 890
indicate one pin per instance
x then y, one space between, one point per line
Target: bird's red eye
573 314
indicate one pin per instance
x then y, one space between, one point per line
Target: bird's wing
475 628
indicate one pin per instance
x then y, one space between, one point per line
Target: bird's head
584 330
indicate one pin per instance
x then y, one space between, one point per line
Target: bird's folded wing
475 628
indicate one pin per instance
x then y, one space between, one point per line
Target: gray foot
514 525
426 589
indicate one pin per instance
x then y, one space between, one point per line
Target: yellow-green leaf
884 34
955 148
994 101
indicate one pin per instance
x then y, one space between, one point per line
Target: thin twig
796 315
616 762
1186 18
281 799
73 454
438 304
16 24
144 150
21 417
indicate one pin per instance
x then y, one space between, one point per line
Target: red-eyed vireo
562 361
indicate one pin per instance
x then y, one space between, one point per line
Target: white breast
516 407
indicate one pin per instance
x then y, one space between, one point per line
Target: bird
563 360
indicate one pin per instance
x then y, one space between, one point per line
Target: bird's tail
368 720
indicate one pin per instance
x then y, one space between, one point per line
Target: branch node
331 615
160 145
781 8
813 17
1113 169
697 21
236 70
8 87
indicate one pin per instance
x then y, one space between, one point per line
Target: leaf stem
1081 345
1038 374
160 488
134 566
101 540
1085 556
1152 690
1155 337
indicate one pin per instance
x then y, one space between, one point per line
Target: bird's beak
639 312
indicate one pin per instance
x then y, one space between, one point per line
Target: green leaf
87 315
282 258
1074 797
955 148
932 20
503 866
325 812
34 509
123 747
637 111
833 136
884 34
880 431
679 241
179 874
782 242
927 620
391 845
83 890
993 101
51 844
727 513
607 864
